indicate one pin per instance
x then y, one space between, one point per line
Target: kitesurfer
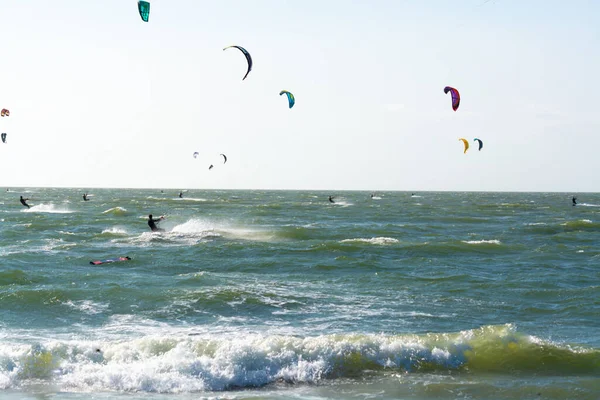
181 195
331 199
85 198
152 223
23 201
574 200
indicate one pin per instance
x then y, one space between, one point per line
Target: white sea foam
87 306
115 210
48 208
374 240
115 230
342 203
189 199
168 364
222 229
493 241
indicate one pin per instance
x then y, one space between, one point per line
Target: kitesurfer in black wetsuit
181 195
152 224
574 200
331 199
85 197
23 201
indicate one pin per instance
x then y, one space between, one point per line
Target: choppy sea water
283 294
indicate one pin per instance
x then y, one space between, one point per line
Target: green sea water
283 294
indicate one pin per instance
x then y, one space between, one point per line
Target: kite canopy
480 143
455 97
3 137
224 158
248 58
144 9
4 112
291 99
466 143
196 154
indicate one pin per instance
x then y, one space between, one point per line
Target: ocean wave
185 364
115 211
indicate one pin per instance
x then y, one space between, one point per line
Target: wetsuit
331 199
180 195
85 197
22 200
574 201
152 224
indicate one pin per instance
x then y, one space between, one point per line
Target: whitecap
374 240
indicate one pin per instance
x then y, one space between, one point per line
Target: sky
99 98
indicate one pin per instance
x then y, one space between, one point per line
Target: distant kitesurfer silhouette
23 201
574 200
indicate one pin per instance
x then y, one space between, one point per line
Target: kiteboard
110 260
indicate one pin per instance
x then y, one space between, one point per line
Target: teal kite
480 143
291 99
248 58
144 9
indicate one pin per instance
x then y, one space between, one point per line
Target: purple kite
455 97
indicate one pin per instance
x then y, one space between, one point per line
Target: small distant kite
3 137
211 167
196 154
466 143
248 58
455 97
144 9
224 157
4 112
480 143
290 97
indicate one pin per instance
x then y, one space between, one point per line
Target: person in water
331 199
23 201
574 200
152 223
181 195
85 198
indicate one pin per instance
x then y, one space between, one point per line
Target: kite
225 158
248 58
455 97
196 154
3 137
466 144
291 99
144 9
4 112
211 166
480 143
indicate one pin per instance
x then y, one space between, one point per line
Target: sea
258 294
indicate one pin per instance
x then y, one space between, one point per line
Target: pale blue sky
99 98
